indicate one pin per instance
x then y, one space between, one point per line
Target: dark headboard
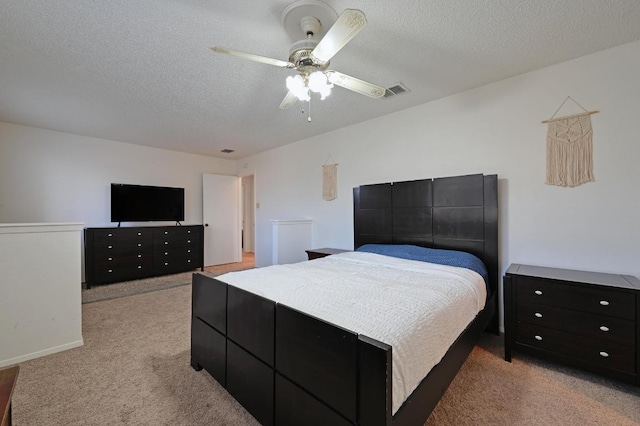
457 213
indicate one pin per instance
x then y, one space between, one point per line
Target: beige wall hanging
329 180
570 148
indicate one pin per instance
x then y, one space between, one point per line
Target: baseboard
38 354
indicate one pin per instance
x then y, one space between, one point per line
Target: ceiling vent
395 90
227 151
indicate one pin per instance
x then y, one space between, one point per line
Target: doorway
247 209
229 217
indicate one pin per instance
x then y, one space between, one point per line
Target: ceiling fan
319 36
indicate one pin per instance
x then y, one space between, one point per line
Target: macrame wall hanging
329 180
570 148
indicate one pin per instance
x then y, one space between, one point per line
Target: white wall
48 176
493 129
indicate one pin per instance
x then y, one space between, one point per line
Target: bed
288 366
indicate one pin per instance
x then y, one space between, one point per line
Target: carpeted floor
134 370
531 392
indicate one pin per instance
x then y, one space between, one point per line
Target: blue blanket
443 257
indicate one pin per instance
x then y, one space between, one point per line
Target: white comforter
418 308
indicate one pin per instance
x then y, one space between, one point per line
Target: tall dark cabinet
122 254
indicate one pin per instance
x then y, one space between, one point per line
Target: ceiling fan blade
252 57
345 28
355 84
288 101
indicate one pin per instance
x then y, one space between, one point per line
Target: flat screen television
140 203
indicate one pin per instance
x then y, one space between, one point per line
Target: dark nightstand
588 320
323 252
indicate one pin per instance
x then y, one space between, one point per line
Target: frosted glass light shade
318 83
296 85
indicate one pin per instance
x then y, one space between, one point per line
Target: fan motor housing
300 55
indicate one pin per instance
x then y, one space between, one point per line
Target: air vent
227 151
395 90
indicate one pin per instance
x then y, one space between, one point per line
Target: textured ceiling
142 72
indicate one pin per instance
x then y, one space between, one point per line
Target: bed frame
288 368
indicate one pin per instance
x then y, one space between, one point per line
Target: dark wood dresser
121 254
587 320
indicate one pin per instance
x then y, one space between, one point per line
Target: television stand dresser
122 254
587 320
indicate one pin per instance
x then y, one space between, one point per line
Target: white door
221 218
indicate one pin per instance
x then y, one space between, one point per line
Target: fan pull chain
309 35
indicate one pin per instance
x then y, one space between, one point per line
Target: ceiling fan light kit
316 82
318 34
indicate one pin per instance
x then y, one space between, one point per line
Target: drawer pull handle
110 259
538 315
166 232
604 303
166 263
188 232
109 247
166 242
139 255
538 337
604 328
189 251
538 292
139 266
109 235
604 354
139 233
188 241
110 271
166 253
139 245
189 261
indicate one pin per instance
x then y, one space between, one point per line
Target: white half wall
40 304
494 129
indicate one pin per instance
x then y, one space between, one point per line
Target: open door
221 218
